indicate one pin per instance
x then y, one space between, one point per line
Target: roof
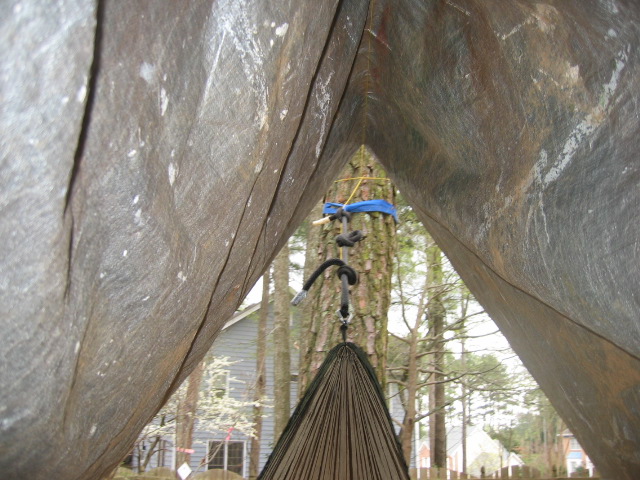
236 317
454 436
454 441
245 312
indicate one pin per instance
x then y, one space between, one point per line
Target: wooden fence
438 474
526 472
521 473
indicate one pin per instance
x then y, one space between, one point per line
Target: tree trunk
281 332
437 396
412 380
146 457
260 387
464 302
307 332
186 414
408 424
372 259
463 363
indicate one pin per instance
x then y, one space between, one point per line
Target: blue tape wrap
366 206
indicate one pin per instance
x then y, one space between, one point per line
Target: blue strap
366 206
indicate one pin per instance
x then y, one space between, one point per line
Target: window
227 456
574 445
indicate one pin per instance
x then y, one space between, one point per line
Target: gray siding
239 343
397 413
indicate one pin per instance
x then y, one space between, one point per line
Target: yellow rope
363 178
354 190
360 180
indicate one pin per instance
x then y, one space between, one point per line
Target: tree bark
463 362
437 395
307 332
464 303
281 333
260 387
186 414
372 258
408 424
412 379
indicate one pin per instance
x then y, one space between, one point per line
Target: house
482 451
397 412
575 456
230 450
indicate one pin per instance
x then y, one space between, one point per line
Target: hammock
341 429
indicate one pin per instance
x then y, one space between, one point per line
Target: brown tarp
341 430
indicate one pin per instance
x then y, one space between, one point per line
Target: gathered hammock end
341 429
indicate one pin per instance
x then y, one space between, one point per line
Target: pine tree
437 402
261 380
372 259
281 334
186 414
427 294
306 337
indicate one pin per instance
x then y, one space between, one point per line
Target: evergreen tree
436 313
306 338
535 434
186 414
371 259
281 334
429 359
422 291
261 380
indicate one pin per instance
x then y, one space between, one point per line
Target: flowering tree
216 411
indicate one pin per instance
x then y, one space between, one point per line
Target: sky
487 335
484 335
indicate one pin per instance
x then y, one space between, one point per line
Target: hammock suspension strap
348 276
